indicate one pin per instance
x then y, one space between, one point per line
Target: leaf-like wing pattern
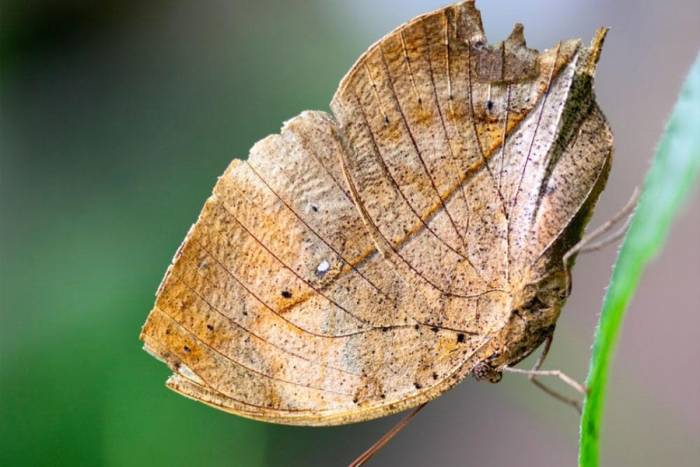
358 265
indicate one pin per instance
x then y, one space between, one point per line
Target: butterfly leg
535 372
588 243
369 453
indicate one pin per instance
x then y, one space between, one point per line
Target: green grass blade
673 172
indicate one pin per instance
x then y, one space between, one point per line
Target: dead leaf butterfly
362 263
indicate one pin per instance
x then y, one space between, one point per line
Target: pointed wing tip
596 48
517 36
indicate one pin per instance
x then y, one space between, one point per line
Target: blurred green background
117 117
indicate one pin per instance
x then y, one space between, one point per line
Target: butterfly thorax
535 311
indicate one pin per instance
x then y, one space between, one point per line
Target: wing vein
286 266
348 263
420 157
256 336
374 225
235 362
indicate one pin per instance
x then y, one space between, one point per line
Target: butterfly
364 262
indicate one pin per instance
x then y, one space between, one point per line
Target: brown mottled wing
348 270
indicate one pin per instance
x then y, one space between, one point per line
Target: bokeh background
116 119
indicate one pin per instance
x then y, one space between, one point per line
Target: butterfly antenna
368 454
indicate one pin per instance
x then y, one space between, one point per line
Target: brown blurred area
117 117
